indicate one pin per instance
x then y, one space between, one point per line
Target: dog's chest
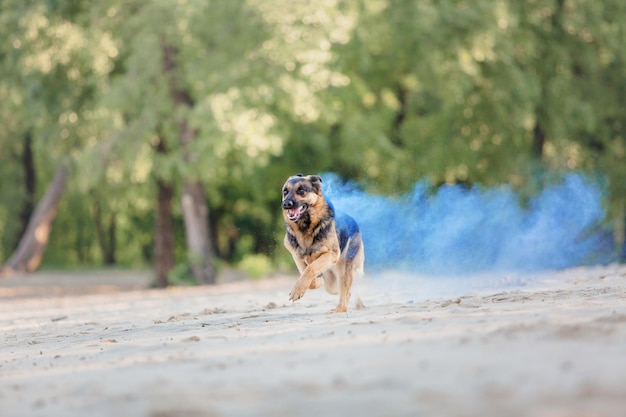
306 244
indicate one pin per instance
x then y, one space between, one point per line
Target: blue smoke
455 229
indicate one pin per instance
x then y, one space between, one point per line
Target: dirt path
555 346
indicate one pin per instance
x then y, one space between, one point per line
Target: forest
158 133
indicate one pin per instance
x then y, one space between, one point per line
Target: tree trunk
109 256
27 257
194 206
547 65
164 239
105 231
196 216
396 129
196 219
30 183
539 140
163 234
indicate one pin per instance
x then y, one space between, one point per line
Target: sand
549 344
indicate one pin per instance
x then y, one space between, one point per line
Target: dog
325 245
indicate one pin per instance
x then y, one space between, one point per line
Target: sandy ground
89 344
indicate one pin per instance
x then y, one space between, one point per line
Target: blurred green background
141 98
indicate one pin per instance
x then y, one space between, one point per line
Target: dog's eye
301 191
284 191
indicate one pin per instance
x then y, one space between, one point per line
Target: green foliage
181 275
384 92
256 265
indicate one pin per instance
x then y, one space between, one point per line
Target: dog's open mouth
294 214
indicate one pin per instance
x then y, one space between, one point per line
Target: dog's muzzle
294 211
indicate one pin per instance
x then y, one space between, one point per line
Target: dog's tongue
293 212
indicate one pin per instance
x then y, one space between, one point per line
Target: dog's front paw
297 291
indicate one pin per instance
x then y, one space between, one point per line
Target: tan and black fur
325 245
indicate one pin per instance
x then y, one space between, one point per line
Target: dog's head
300 193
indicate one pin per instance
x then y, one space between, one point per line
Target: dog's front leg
322 263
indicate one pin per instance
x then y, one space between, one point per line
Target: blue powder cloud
454 229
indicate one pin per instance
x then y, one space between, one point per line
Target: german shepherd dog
325 245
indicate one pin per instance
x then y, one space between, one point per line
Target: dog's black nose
287 204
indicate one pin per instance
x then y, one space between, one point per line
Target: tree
30 250
161 104
193 202
49 70
172 71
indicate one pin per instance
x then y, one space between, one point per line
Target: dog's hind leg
331 281
351 269
345 282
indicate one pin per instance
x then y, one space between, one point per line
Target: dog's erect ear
316 182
